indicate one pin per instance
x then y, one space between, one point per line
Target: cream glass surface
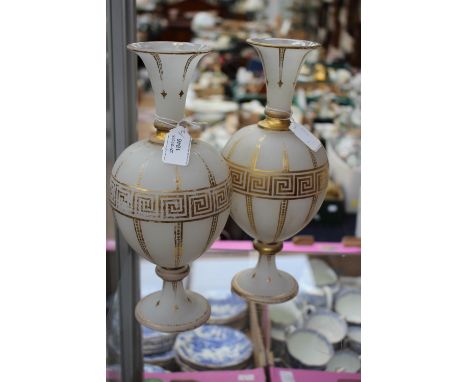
170 214
278 182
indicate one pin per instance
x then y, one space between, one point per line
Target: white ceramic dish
323 273
309 349
328 323
344 361
348 305
285 314
354 338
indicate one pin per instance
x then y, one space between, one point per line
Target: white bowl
348 305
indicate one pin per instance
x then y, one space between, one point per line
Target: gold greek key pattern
276 184
169 207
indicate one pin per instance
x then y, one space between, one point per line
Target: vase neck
170 68
282 60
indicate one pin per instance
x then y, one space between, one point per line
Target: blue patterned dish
213 346
225 306
154 369
156 342
159 357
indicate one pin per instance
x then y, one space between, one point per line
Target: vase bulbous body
279 183
170 214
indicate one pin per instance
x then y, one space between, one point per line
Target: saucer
213 347
328 323
354 338
345 361
348 305
226 307
308 349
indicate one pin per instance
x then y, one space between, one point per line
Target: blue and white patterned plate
213 346
225 306
154 369
159 357
156 342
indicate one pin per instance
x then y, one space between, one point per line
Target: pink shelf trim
326 248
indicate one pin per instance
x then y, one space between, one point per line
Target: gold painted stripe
141 239
248 198
187 65
281 54
159 64
214 220
178 242
178 179
315 197
233 147
214 226
248 201
284 203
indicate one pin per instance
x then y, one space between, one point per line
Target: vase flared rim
169 47
288 43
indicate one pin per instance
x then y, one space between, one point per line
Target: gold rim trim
174 328
205 49
260 42
277 299
267 249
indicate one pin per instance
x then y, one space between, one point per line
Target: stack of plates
158 347
227 309
155 342
213 347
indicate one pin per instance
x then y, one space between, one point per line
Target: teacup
348 305
328 323
308 349
354 338
285 315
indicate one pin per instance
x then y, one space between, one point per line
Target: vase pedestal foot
173 309
265 284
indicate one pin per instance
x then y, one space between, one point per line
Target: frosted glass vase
170 214
279 183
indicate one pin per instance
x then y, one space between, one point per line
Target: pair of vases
270 182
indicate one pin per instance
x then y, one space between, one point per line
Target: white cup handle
308 311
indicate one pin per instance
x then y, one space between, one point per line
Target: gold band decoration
170 206
278 185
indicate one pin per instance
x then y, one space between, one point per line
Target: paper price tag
286 376
176 149
305 136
